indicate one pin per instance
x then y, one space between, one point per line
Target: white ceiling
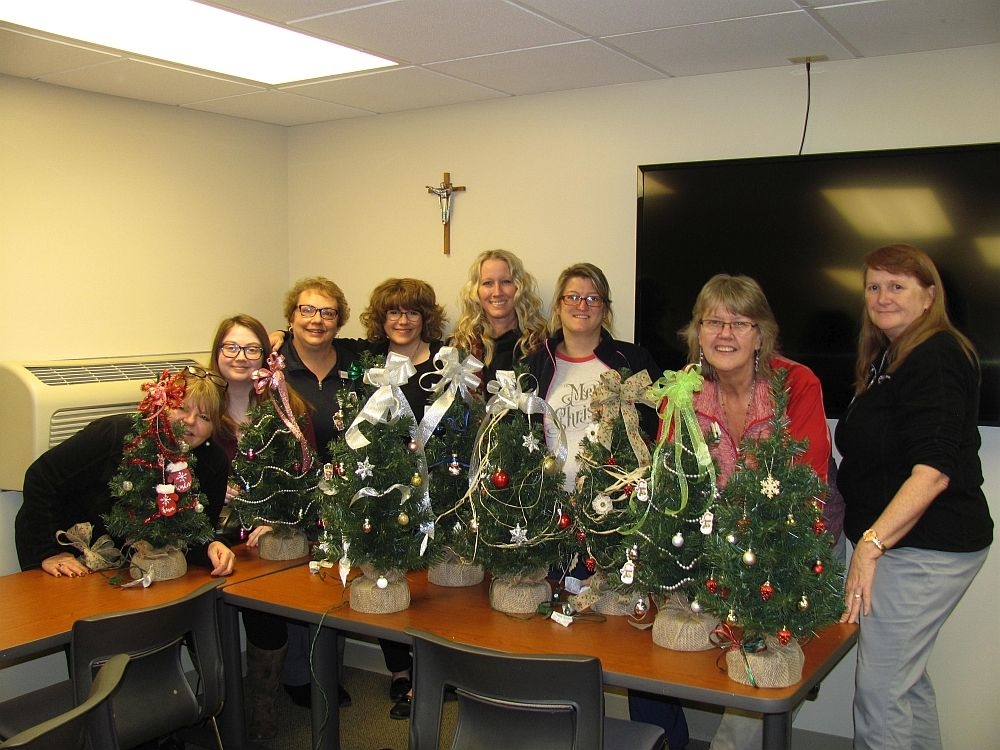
452 51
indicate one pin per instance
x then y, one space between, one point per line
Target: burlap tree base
454 573
776 666
284 543
678 628
519 595
380 593
164 562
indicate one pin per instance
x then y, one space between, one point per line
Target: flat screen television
800 225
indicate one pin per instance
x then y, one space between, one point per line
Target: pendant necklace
746 416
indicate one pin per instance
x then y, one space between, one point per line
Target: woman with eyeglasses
403 317
733 335
68 484
912 479
240 347
567 369
501 314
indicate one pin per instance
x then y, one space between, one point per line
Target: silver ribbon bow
454 376
388 402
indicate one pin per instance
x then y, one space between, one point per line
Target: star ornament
365 468
770 487
518 535
530 442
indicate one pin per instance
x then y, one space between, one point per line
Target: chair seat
625 734
31 709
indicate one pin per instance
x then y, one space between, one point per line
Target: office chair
66 731
527 701
156 697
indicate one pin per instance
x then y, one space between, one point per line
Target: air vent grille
67 422
106 372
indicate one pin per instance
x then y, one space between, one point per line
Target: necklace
746 415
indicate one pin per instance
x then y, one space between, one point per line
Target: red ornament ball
743 524
500 479
712 585
564 521
581 536
819 526
766 591
784 636
818 567
591 564
612 461
628 489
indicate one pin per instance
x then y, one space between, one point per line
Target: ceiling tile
396 89
278 107
605 18
916 25
423 31
554 68
744 44
148 81
28 56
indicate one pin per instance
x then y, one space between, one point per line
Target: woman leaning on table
68 484
501 319
912 480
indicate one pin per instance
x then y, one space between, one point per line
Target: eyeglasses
592 300
411 315
250 351
212 377
326 313
738 327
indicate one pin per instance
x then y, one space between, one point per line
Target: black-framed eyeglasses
573 300
250 351
738 327
326 313
212 377
411 315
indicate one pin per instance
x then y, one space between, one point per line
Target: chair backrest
526 701
66 731
156 697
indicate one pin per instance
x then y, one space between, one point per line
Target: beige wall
112 211
132 228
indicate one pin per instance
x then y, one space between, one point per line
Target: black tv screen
800 225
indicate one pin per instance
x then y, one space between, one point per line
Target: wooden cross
444 193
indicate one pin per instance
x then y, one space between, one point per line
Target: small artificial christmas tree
769 567
274 466
682 491
516 504
449 427
611 499
374 491
159 503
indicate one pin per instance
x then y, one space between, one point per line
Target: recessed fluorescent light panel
192 34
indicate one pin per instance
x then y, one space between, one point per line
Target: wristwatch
872 536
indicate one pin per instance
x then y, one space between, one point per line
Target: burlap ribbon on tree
520 594
612 397
367 595
271 379
163 563
675 390
103 554
678 628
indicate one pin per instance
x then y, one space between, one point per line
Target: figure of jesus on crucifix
445 193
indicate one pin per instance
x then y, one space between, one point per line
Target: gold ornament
550 465
402 519
416 480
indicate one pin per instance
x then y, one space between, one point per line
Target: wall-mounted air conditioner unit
43 403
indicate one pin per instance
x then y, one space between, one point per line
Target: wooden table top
628 655
39 610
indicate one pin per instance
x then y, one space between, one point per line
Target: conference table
39 612
627 653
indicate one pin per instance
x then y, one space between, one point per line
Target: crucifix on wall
445 193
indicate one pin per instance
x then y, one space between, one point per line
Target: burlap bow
271 379
453 376
612 397
676 389
388 401
101 555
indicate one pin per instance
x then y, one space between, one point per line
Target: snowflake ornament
770 487
518 535
530 442
365 469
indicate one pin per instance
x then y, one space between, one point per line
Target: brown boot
261 687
